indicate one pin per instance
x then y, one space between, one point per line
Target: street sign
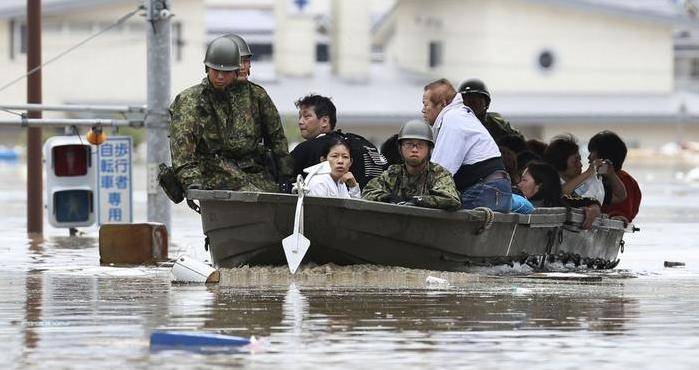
298 7
114 180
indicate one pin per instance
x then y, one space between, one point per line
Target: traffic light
70 181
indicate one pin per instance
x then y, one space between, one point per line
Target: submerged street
59 308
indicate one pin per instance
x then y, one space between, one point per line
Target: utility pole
157 114
35 213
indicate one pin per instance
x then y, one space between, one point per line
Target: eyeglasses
413 144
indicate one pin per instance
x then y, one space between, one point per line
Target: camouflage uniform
216 141
266 115
498 127
434 187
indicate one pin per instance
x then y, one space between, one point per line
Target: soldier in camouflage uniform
416 182
264 113
477 97
216 141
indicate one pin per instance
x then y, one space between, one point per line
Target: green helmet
222 54
475 86
242 45
416 129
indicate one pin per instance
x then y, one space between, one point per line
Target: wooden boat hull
245 228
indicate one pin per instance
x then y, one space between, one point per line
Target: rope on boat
488 218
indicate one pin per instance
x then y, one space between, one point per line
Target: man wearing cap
477 97
215 142
417 181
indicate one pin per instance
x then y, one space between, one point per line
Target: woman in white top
333 179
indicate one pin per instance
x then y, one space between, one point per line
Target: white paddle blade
295 247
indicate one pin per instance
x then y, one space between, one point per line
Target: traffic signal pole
157 114
35 216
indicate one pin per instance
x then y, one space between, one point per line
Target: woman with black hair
564 154
334 179
541 184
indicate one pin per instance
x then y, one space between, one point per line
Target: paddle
296 245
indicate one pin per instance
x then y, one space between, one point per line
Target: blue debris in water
194 339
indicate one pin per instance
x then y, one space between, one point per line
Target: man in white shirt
465 148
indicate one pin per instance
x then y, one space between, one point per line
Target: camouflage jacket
216 140
266 115
498 127
434 187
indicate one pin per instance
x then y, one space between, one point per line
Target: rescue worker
215 141
416 182
477 97
465 148
266 116
317 121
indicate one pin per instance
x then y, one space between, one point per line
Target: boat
247 228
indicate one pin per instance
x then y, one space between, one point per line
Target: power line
81 43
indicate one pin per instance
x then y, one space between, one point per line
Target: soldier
416 182
215 140
477 97
265 114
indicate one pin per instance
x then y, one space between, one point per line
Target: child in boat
540 184
333 178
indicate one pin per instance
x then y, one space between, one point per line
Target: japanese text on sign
114 180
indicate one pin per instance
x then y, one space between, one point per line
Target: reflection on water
60 309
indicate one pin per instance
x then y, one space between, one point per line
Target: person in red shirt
608 146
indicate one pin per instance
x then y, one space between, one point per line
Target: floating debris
673 264
185 339
189 270
435 281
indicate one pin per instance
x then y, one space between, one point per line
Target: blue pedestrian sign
114 181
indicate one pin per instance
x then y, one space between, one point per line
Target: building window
694 68
322 53
261 51
435 54
18 38
546 60
177 42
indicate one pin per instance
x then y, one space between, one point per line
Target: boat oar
296 245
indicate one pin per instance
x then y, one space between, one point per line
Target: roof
393 96
18 8
246 21
662 11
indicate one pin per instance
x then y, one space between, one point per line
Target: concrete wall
110 68
500 41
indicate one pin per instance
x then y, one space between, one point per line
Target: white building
551 65
108 69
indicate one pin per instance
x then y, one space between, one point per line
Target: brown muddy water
60 309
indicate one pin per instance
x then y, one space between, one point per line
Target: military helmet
222 54
475 86
416 129
242 45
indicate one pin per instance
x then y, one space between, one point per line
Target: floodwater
60 309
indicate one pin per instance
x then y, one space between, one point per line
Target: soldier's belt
249 165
